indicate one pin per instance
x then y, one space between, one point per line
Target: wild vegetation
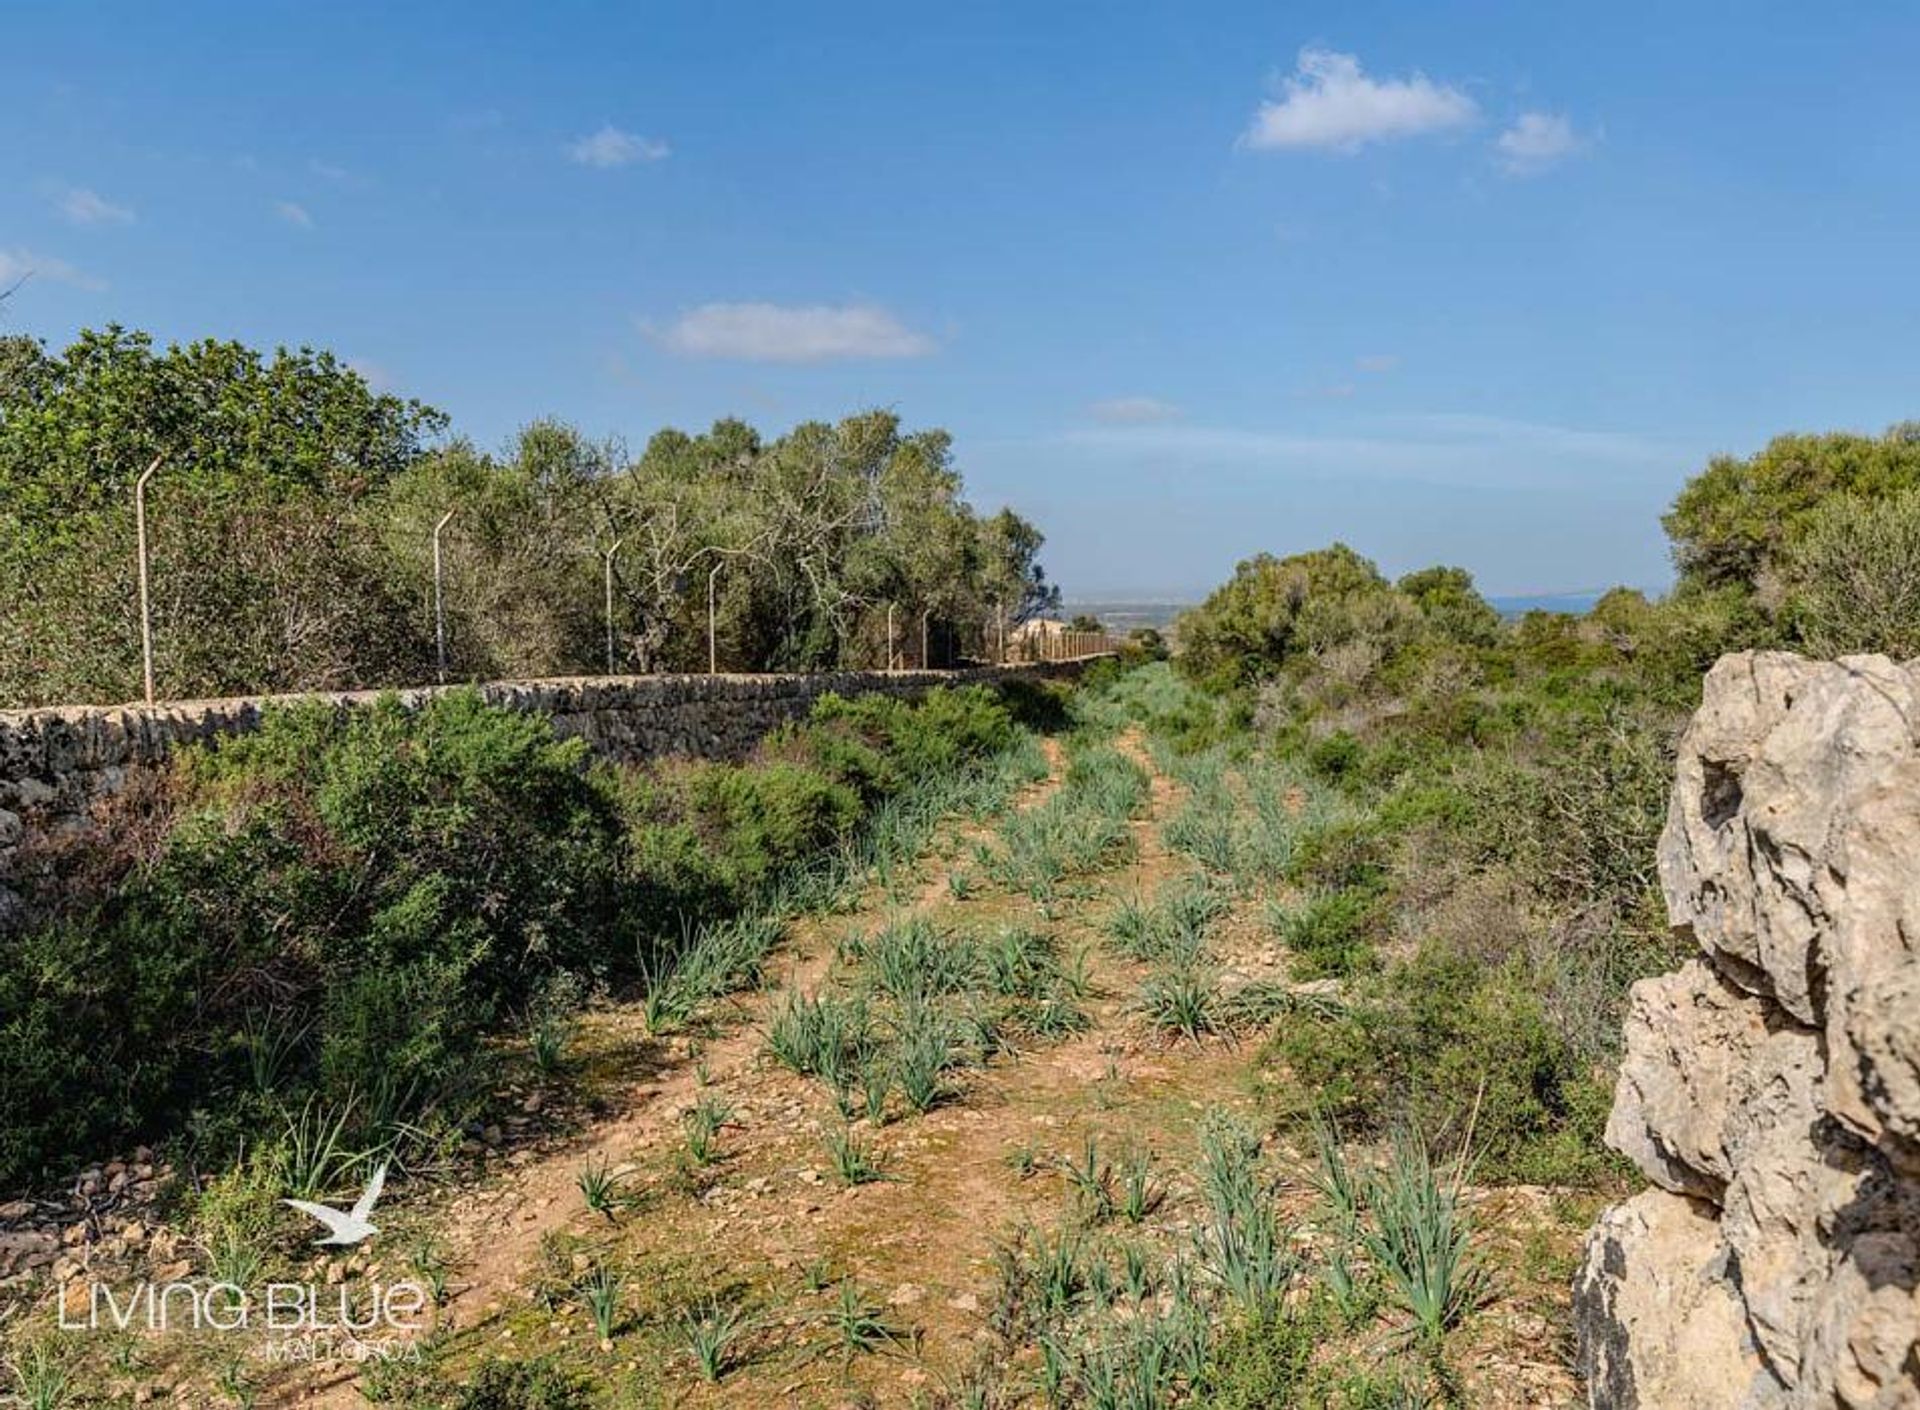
323 924
1236 1032
292 535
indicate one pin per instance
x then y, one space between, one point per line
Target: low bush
1330 934
1454 1049
342 906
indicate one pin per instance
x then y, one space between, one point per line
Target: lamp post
713 619
439 602
889 636
607 554
140 541
924 663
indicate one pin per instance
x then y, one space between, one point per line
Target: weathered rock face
1771 1088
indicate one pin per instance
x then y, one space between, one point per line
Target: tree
1854 577
263 577
1452 605
1274 609
1734 522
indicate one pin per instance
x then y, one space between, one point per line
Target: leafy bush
1440 1042
1856 576
1330 933
342 905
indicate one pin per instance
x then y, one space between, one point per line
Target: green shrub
538 1384
376 890
1330 934
1856 576
1440 1042
769 817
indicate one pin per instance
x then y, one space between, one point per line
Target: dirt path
920 1242
768 1227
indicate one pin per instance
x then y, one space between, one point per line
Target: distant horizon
1129 597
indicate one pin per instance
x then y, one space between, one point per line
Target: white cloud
17 265
1134 411
1535 142
760 332
1377 362
1329 103
611 147
328 171
84 207
294 214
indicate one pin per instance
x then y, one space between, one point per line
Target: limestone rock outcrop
1770 1088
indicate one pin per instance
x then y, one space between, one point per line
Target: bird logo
353 1227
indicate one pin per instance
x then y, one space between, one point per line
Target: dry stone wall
1770 1088
56 765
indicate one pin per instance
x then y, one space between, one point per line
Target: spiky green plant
862 1324
547 1042
853 1158
1091 1180
1141 1191
603 1294
600 1187
43 1380
924 1054
711 1331
318 1156
1421 1239
702 1126
1183 999
235 1262
913 961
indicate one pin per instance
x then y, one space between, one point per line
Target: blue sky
1469 283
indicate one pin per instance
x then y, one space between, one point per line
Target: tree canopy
291 531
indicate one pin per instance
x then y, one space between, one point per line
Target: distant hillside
1123 615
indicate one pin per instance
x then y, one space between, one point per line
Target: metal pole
889 636
1000 627
924 664
713 634
608 555
439 603
146 607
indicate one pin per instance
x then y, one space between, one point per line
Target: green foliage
340 907
292 531
1855 576
1736 521
1420 1237
536 1384
1276 609
1440 1041
711 1332
1330 933
259 520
